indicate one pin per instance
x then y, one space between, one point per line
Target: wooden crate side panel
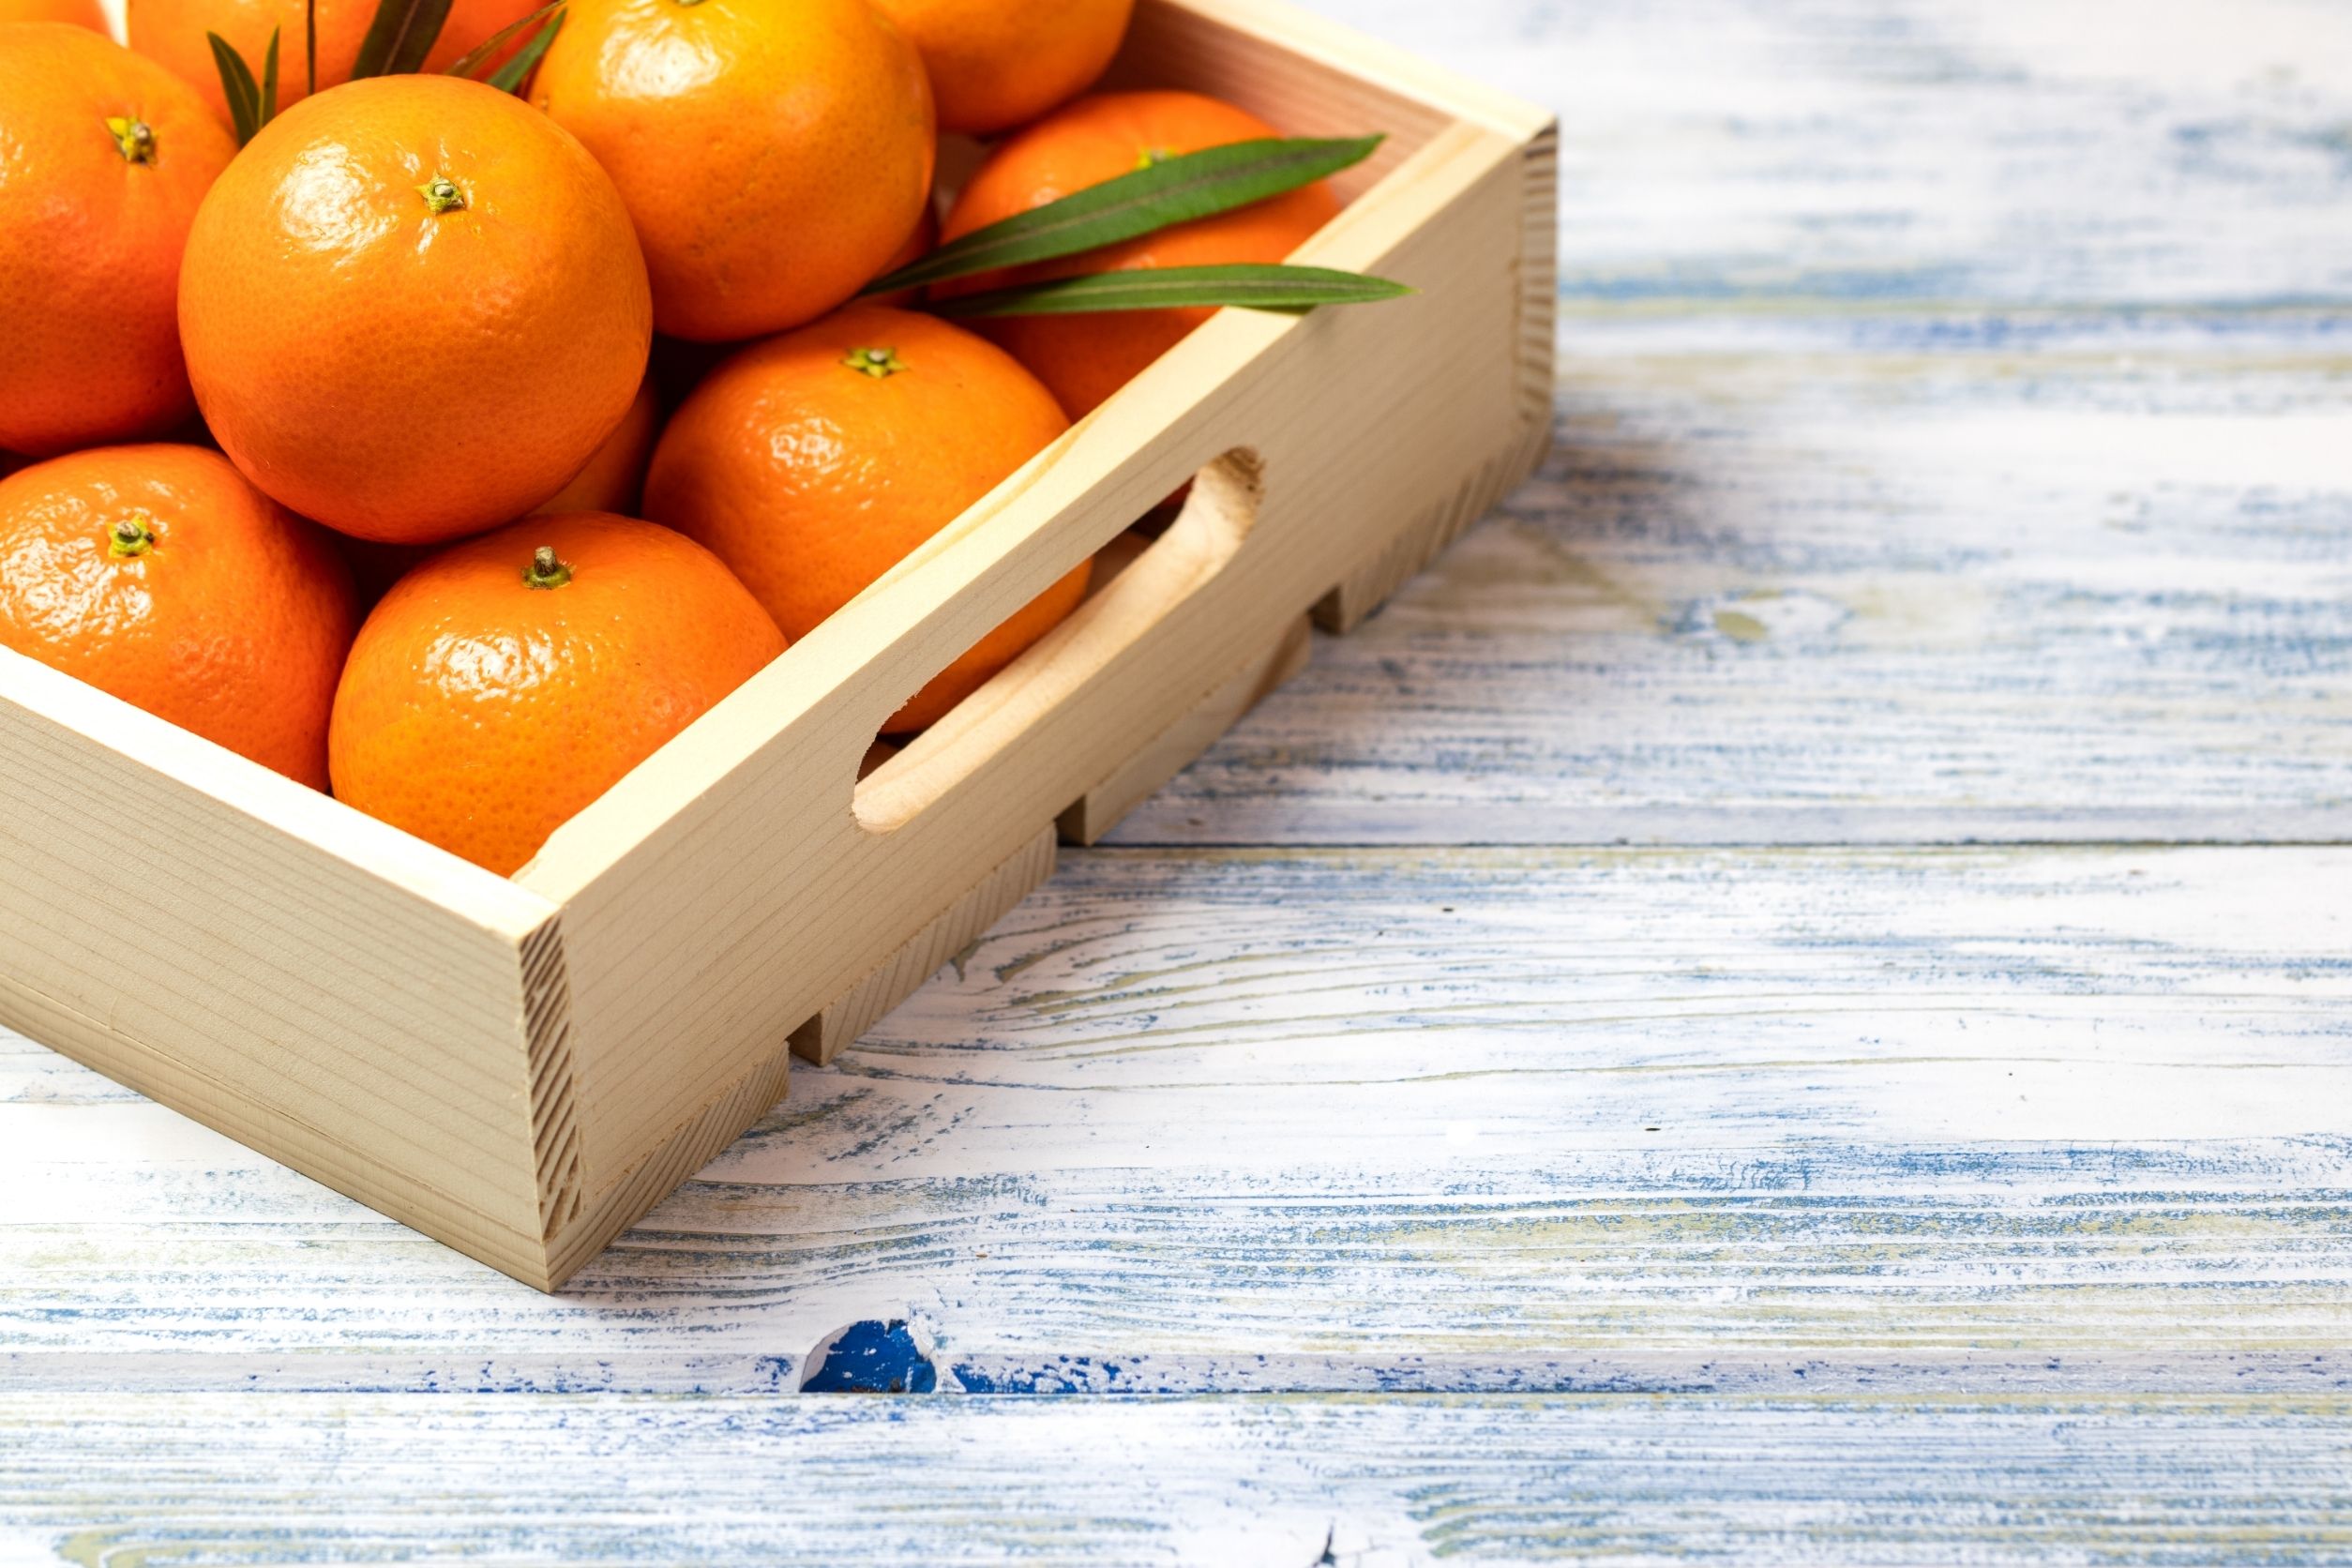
1385 572
850 1014
184 921
1097 811
1306 75
726 891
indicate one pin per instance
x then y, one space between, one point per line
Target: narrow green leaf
399 38
510 77
1257 287
472 60
1172 190
237 86
310 48
269 82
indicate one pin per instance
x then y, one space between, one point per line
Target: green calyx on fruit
132 537
877 363
442 194
544 570
134 138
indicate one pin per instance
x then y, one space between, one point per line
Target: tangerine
104 159
159 574
506 682
172 32
1085 358
774 156
995 65
82 13
815 462
414 308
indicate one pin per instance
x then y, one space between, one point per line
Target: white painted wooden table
1790 1001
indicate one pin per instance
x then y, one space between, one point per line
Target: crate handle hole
1138 580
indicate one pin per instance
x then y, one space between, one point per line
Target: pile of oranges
341 448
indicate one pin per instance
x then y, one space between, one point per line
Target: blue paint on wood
870 1357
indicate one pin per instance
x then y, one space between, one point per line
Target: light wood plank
1255 1482
1945 1121
1922 579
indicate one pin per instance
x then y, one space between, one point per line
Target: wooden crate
521 1066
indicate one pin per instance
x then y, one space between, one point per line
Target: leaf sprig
400 36
251 105
1256 286
1168 190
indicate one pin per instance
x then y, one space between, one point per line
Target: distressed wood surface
1558 1081
1236 1480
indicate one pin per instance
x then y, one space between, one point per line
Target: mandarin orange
1086 358
996 63
159 574
104 160
82 13
172 32
774 156
815 462
414 308
508 681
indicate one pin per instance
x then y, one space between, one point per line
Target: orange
172 32
815 462
158 574
1086 358
615 476
996 63
773 154
82 13
104 158
414 308
508 681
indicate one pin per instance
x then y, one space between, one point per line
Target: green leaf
269 79
472 59
238 87
399 38
510 77
1172 190
1258 287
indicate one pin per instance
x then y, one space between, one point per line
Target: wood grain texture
1238 1482
1828 581
1948 445
1299 1120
